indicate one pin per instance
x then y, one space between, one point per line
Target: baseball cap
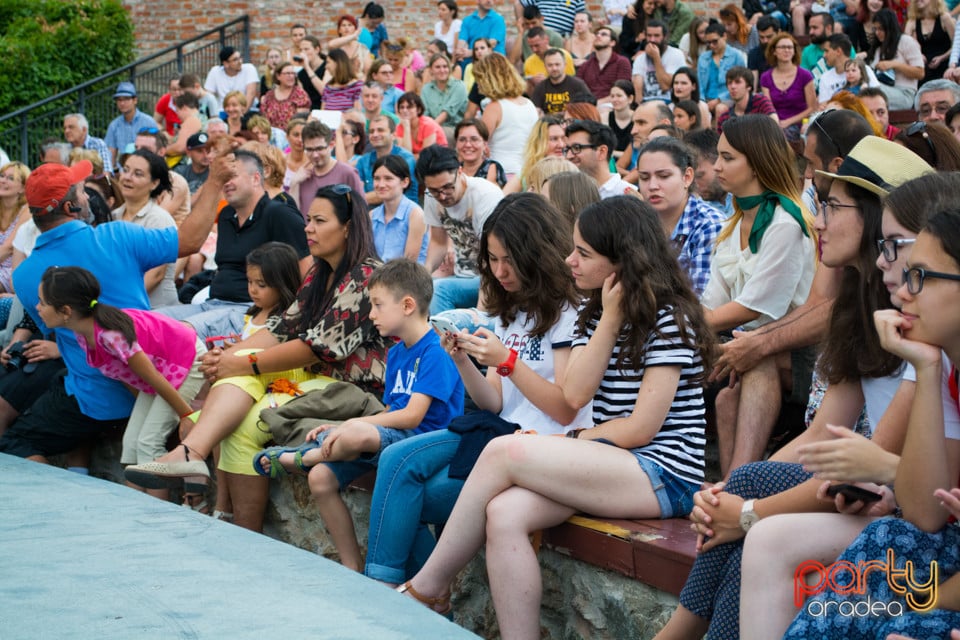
197 141
49 183
125 90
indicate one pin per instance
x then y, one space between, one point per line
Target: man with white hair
934 99
76 130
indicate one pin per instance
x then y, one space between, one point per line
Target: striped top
679 445
341 98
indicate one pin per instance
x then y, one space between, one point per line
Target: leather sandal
163 475
439 605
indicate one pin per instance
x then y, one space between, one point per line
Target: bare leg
512 565
683 625
727 405
586 476
7 415
224 409
799 18
768 566
250 494
224 504
336 517
760 396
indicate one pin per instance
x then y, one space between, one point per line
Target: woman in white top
897 60
448 26
144 177
509 116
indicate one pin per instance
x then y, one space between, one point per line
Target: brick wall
160 23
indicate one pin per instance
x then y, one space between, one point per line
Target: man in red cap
84 404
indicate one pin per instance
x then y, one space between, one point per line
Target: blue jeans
675 496
210 318
454 293
412 490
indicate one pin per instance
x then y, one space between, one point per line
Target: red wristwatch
505 368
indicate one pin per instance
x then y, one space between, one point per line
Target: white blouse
772 281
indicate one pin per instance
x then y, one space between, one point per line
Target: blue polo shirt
118 254
365 170
120 133
489 26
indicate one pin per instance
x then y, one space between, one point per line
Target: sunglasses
148 131
921 128
341 190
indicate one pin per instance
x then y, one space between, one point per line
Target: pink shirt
170 345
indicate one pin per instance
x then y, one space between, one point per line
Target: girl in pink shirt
156 357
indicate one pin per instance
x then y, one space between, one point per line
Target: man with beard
819 29
558 90
605 66
654 68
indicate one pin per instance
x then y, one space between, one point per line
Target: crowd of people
426 260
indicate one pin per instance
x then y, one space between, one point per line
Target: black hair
403 277
531 11
680 154
280 268
717 29
886 19
395 165
694 80
79 289
158 171
600 134
450 4
704 143
315 299
186 99
661 24
844 129
226 53
436 159
768 22
314 129
411 98
372 10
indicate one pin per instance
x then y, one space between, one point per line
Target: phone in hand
852 493
443 325
298 58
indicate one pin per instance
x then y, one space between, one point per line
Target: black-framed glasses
941 108
819 126
889 246
148 131
577 148
315 149
711 43
914 277
921 127
445 190
833 205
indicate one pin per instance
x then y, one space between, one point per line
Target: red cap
49 183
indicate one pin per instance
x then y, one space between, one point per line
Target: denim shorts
674 494
348 471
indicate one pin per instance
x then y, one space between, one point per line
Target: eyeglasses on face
941 108
445 190
315 149
576 149
914 277
889 246
833 205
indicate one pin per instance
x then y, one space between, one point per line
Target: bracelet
188 413
575 434
252 359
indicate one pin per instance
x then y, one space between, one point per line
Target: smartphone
443 325
223 340
852 493
298 58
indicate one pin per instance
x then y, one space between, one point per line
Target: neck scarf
768 201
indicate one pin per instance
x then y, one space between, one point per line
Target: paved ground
86 558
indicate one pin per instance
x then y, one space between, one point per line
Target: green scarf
768 201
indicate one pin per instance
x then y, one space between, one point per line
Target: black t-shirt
316 99
475 96
271 221
553 98
622 135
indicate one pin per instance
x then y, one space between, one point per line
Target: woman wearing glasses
768 566
787 85
923 333
858 372
327 334
285 99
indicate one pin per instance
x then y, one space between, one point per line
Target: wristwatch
748 517
505 368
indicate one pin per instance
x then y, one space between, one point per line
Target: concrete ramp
87 558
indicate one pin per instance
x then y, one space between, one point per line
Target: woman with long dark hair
326 334
897 60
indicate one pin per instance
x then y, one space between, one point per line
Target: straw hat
879 165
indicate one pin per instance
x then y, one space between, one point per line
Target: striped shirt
679 445
558 14
341 98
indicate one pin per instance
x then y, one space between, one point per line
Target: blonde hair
545 168
935 8
238 96
761 140
536 147
271 157
259 123
76 155
22 172
497 78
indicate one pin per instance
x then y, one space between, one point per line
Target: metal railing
23 131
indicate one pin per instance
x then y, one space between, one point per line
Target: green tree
49 46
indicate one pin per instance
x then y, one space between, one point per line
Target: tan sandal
439 605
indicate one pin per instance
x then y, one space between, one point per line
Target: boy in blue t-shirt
423 392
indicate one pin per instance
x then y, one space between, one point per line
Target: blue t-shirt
489 26
372 40
118 254
424 368
365 170
390 238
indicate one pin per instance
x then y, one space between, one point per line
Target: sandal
276 469
189 501
165 475
439 605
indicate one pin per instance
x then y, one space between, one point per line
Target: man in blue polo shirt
383 141
84 404
123 129
485 22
